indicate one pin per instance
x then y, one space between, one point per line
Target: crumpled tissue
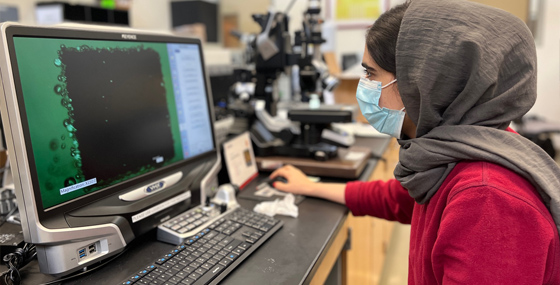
285 207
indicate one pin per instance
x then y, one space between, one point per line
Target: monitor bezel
81 34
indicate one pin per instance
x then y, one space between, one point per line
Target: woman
482 201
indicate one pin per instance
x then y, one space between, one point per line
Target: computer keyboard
208 256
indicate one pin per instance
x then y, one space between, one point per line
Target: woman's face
390 96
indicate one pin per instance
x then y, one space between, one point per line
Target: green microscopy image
98 112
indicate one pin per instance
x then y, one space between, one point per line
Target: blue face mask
384 120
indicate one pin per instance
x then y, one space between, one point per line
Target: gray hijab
465 71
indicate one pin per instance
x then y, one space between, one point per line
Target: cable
103 263
16 260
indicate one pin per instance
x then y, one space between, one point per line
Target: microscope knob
321 155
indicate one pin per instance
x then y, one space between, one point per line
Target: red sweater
485 225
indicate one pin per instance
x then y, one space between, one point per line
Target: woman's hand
297 183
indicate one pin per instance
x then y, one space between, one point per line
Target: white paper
353 155
240 159
286 207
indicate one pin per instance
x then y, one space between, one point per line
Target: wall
244 12
548 50
150 15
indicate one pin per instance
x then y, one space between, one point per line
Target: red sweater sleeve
382 199
506 240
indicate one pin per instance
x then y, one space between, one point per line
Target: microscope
305 132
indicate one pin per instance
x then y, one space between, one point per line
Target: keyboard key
181 274
189 269
232 256
143 272
211 234
174 279
251 240
213 225
201 270
225 241
171 262
178 267
232 245
164 277
244 245
194 275
187 281
194 264
225 262
206 266
265 228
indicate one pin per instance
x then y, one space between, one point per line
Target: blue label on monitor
154 187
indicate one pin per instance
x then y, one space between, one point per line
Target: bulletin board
355 14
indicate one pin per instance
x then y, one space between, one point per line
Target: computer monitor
109 134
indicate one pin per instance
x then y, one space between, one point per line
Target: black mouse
277 178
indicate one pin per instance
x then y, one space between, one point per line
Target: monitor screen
97 113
